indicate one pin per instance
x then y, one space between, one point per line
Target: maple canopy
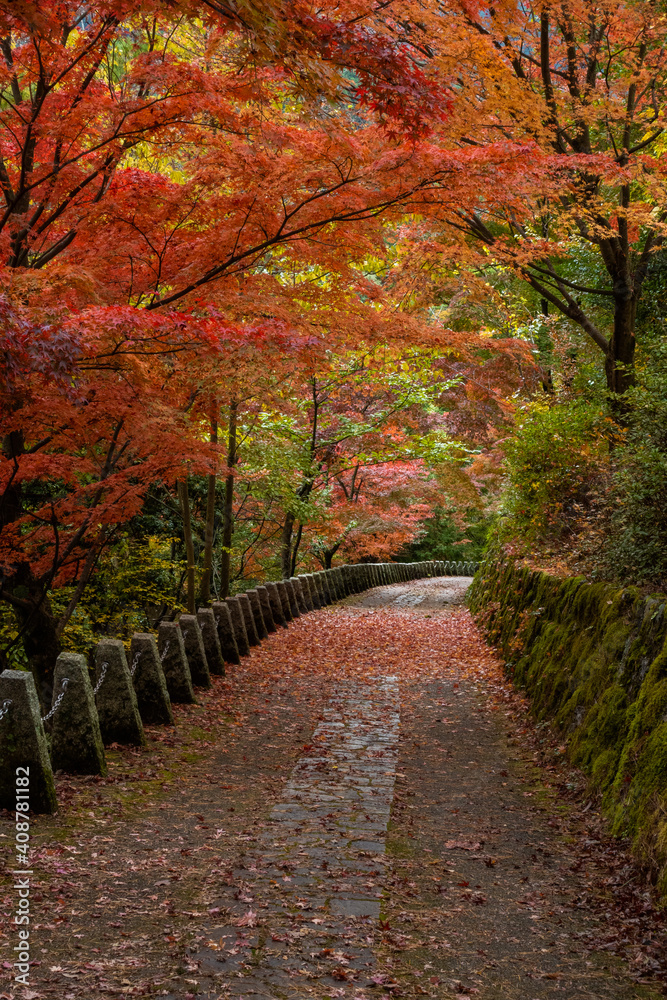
210 208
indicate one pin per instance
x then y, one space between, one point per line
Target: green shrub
555 461
448 539
638 498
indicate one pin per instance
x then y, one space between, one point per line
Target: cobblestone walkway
308 897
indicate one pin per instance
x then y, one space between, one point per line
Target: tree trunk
39 631
210 525
228 510
286 546
26 593
189 544
620 362
295 549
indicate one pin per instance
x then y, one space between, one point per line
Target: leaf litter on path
133 868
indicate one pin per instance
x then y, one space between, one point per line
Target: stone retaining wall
593 659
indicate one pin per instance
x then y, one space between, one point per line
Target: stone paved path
318 887
369 824
317 859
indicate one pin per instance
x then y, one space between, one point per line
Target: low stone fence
593 659
160 670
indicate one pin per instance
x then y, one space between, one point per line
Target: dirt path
362 810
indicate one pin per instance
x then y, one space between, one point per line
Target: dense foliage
287 285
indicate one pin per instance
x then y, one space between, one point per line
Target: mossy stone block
238 621
149 681
276 604
341 583
248 619
293 599
299 594
223 622
307 592
257 614
195 651
209 631
285 602
323 588
267 611
315 594
23 744
175 666
76 738
335 584
116 699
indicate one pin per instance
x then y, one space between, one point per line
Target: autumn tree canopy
225 235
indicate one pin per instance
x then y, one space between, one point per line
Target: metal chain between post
102 676
6 705
45 718
135 663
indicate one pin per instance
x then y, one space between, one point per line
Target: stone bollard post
257 615
316 587
304 583
223 621
318 580
76 740
248 619
116 698
307 591
285 600
314 591
267 610
149 683
24 757
238 621
299 594
277 609
194 650
339 583
209 632
174 660
334 584
293 599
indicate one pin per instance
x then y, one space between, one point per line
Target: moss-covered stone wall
593 659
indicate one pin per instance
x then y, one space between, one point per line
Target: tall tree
584 83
